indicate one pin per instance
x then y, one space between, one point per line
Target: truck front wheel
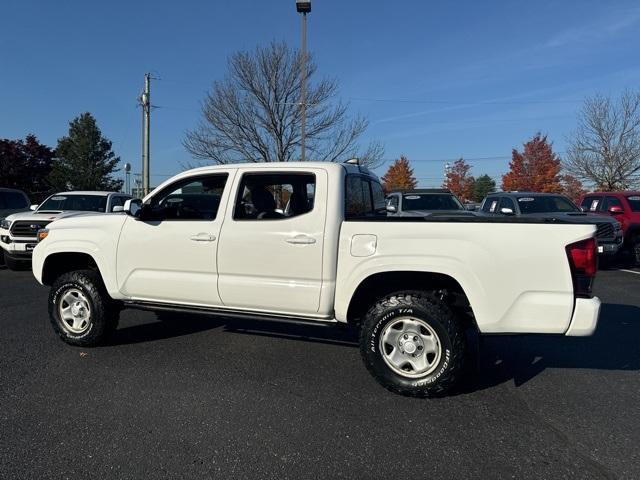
413 344
80 309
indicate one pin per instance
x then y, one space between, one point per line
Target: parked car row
20 222
615 215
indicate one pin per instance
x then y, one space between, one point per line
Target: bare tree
254 114
605 149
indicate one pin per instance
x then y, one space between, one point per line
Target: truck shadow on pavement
615 345
171 325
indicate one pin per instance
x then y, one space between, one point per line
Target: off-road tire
104 313
427 308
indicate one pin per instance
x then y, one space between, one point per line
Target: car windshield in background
546 204
430 201
634 202
84 203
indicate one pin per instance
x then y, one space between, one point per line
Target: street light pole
303 7
145 102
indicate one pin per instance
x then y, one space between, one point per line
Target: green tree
483 186
84 159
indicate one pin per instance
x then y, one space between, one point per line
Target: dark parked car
424 201
554 206
12 201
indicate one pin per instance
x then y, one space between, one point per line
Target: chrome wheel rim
75 311
410 347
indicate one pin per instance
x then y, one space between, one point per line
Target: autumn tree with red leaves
536 169
399 176
460 181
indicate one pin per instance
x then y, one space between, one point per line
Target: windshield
551 204
634 202
84 203
431 201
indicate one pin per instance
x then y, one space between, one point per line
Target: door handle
301 240
203 237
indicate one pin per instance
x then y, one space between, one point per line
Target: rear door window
274 196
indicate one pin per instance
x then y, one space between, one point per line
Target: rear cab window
364 197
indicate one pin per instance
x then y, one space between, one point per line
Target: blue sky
437 80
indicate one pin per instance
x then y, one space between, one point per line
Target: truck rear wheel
80 309
413 344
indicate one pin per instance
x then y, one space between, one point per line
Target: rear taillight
583 260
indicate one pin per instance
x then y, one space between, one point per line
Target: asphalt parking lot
193 397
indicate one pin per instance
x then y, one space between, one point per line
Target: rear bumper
585 317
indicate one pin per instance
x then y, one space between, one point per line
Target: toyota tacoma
311 242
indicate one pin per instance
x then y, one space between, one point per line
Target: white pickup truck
311 242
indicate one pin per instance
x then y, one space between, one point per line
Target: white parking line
629 271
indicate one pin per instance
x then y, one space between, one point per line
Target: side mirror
117 209
615 210
392 208
506 211
132 207
33 207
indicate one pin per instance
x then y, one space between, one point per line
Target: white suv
18 232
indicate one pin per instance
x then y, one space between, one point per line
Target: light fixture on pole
127 178
303 7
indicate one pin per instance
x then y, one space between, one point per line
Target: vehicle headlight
42 234
6 224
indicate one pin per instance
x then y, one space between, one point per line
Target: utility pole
145 102
303 7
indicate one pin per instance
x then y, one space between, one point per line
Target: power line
451 102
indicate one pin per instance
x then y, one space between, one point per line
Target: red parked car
624 207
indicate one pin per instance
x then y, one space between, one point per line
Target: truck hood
86 220
47 216
436 213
